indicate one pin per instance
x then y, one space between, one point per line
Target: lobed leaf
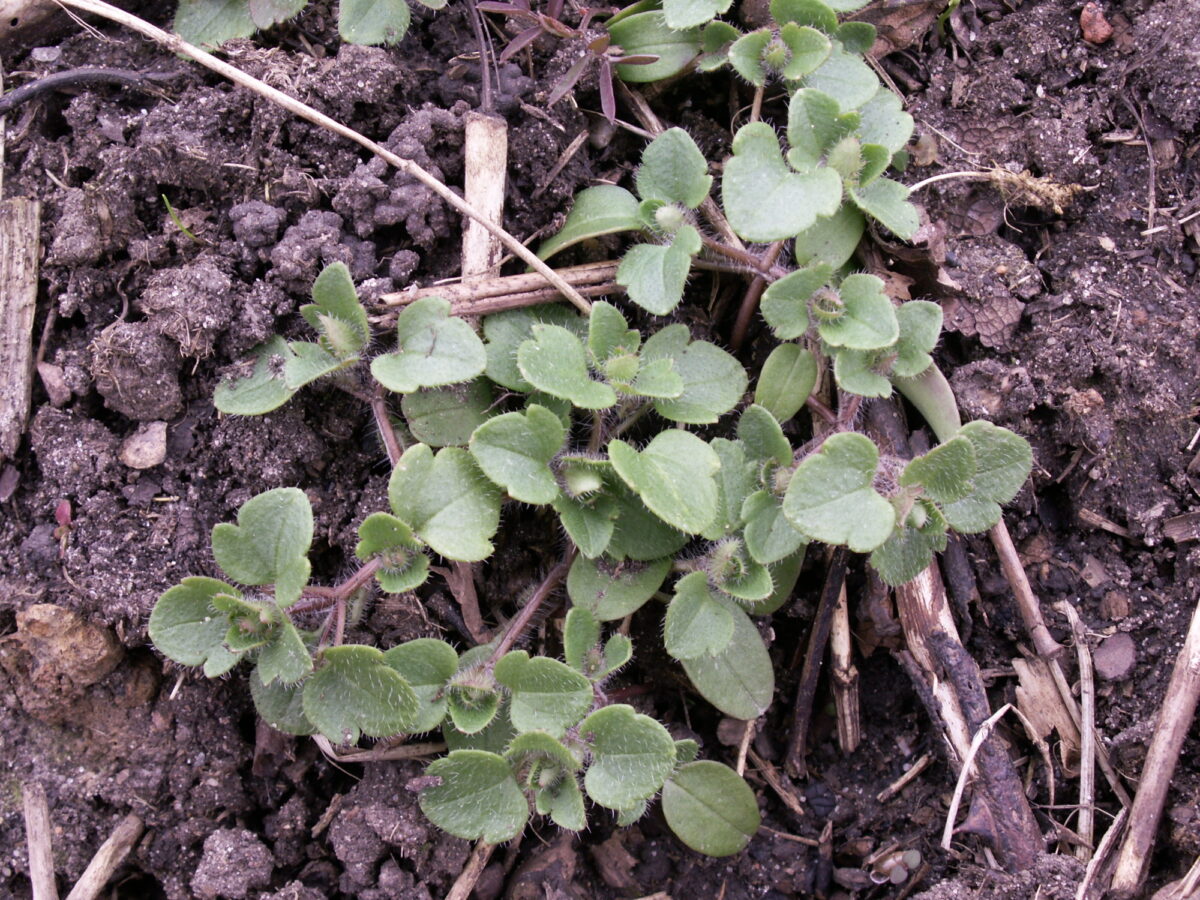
427 664
477 797
280 705
673 476
547 695
433 349
1003 463
886 201
654 275
356 692
713 380
514 450
336 301
448 416
946 472
185 626
909 550
506 331
920 325
769 536
284 658
785 302
764 439
845 77
868 320
269 544
831 496
632 755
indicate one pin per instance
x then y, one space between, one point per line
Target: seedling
542 408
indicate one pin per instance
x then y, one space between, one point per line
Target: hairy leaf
373 21
868 320
433 349
515 449
446 501
356 692
711 808
269 544
713 380
547 695
739 681
654 275
673 475
477 797
632 755
426 664
186 627
610 590
787 378
554 361
673 169
832 498
696 623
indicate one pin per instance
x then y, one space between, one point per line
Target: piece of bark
20 227
107 859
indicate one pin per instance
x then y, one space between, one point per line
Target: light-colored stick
1027 603
1179 706
107 859
844 676
178 45
37 839
20 231
903 781
470 874
461 292
1087 736
486 169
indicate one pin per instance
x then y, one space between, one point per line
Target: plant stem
179 46
750 301
383 423
529 610
321 598
752 261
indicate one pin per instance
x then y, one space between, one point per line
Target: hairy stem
518 625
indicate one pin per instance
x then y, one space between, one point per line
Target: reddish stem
750 301
518 625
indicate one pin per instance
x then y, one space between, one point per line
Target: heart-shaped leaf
476 797
638 534
336 313
448 416
807 48
713 380
588 522
845 77
920 325
446 501
710 808
682 14
654 275
610 590
632 755
673 168
515 449
609 334
815 124
403 564
884 122
210 23
307 363
764 439
746 55
433 349
805 12
186 627
356 692
785 302
831 239
735 481
562 801
506 331
868 319
886 202
673 475
284 657
554 361
269 544
763 198
946 472
1003 462
696 623
264 388
547 695
832 498
280 705
860 372
769 536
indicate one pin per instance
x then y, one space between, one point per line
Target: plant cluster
212 22
541 406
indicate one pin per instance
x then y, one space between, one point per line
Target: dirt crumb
234 862
136 371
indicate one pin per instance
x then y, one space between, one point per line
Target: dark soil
1076 327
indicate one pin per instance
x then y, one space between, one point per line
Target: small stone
1094 25
146 447
55 383
235 861
1115 657
1114 606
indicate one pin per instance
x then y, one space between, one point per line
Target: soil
1075 326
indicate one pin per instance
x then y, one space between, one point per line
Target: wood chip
20 226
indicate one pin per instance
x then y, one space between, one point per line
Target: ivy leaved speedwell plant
592 419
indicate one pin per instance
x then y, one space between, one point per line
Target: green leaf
909 550
857 372
269 544
355 692
713 380
766 201
478 797
831 239
710 808
495 737
603 209
868 320
588 523
845 77
308 362
659 380
769 536
875 160
448 416
1003 462
815 125
610 590
648 34
807 49
920 325
733 572
433 349
654 275
886 201
335 303
403 564
554 361
735 482
739 681
210 23
682 14
609 334
547 695
714 44
857 37
472 696
805 12
639 534
537 747
446 501
673 169
946 472
266 13
562 801
784 575
632 755
506 331
788 377
746 55
581 637
618 650
426 664
373 21
284 658
280 705
673 476
515 449
832 498
884 121
186 627
696 623
764 439
261 391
